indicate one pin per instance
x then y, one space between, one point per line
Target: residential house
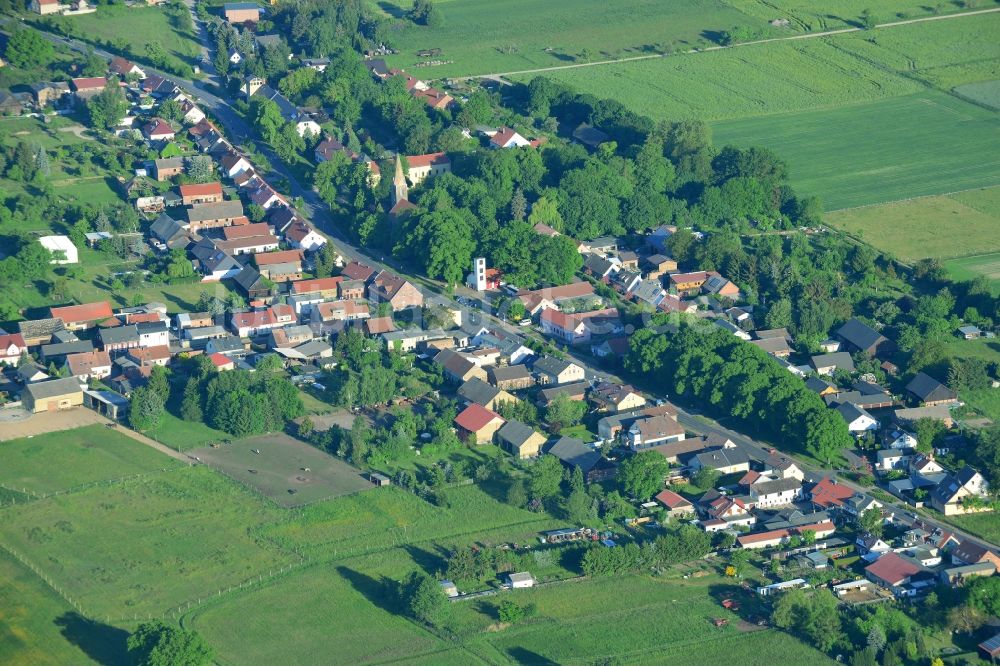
282 266
505 137
201 193
688 282
82 317
722 513
300 235
57 352
398 292
722 460
214 264
828 494
609 397
720 286
674 505
960 575
476 391
970 332
870 544
213 215
615 348
657 265
477 424
457 367
953 495
970 552
247 239
858 420
230 345
153 334
221 362
198 337
12 345
520 440
775 492
572 453
233 164
352 289
52 395
45 7
600 267
119 338
552 370
48 92
258 322
124 68
649 292
95 364
169 233
339 310
324 287
861 337
778 347
575 391
510 377
909 417
158 129
827 364
732 328
649 431
929 392
612 426
149 356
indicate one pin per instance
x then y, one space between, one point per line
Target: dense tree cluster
159 644
732 378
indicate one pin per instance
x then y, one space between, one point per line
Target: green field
488 36
64 460
145 546
183 435
969 268
37 628
838 14
387 517
984 525
955 225
917 145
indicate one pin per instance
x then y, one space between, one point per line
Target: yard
952 225
183 435
69 459
279 470
145 546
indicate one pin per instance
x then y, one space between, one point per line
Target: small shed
449 588
990 649
379 479
520 579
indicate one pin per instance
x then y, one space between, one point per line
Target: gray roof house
827 364
930 391
477 391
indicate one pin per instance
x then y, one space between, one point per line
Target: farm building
520 579
53 395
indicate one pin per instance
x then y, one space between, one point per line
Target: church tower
400 190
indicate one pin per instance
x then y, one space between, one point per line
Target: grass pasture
488 36
143 547
917 145
387 517
837 14
955 225
38 628
280 467
67 459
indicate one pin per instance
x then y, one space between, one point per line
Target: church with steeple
400 193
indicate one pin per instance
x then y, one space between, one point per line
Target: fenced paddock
286 470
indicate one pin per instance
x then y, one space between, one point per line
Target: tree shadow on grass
523 656
431 561
377 591
101 642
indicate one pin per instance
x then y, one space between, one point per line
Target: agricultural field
917 145
483 36
953 225
839 14
986 92
38 628
68 459
279 471
145 546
